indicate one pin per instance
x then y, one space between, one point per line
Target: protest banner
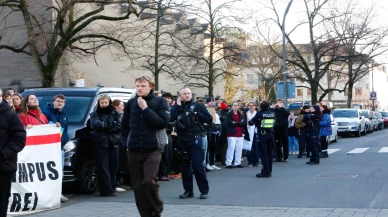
37 184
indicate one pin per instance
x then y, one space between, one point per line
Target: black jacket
281 117
230 125
12 138
139 126
202 114
106 128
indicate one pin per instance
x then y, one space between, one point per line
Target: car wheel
88 177
358 134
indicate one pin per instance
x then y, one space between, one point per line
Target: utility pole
157 36
373 90
285 55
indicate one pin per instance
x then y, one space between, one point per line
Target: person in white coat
250 140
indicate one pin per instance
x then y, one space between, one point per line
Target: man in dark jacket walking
55 114
281 131
144 117
12 141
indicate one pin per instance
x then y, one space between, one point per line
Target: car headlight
70 145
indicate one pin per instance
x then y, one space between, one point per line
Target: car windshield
378 115
384 114
366 114
76 107
345 113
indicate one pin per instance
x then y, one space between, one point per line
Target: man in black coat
281 131
190 118
12 141
144 117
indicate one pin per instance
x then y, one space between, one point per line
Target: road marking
357 150
383 150
332 150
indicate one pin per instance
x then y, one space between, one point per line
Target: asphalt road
343 180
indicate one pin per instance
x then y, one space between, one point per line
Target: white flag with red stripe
37 184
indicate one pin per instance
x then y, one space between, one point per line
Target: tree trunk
48 78
211 84
350 94
314 93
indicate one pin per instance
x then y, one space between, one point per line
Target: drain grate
338 176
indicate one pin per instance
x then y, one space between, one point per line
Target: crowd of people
156 137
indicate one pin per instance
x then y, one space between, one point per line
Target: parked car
334 128
368 121
385 117
380 120
375 121
350 121
79 167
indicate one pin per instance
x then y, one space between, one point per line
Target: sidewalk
105 209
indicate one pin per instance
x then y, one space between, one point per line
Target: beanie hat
223 106
209 99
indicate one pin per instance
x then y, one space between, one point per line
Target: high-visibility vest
267 124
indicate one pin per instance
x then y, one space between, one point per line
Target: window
358 91
252 79
345 113
346 92
308 92
80 104
299 92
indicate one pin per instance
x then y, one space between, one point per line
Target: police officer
189 120
265 121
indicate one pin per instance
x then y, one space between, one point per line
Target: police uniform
265 121
189 118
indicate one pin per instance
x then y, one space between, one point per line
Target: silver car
350 121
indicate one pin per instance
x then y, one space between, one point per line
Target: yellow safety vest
267 124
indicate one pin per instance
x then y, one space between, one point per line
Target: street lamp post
373 90
285 54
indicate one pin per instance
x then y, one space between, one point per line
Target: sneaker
176 176
209 167
239 166
285 160
254 165
171 176
164 178
215 167
64 199
229 167
120 190
250 165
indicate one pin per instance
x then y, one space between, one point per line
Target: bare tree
267 67
307 62
218 48
51 27
360 37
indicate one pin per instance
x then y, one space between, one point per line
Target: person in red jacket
31 113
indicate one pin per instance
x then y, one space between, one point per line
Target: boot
187 194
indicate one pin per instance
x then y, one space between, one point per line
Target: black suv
80 102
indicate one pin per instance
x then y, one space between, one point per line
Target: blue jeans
253 154
293 144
